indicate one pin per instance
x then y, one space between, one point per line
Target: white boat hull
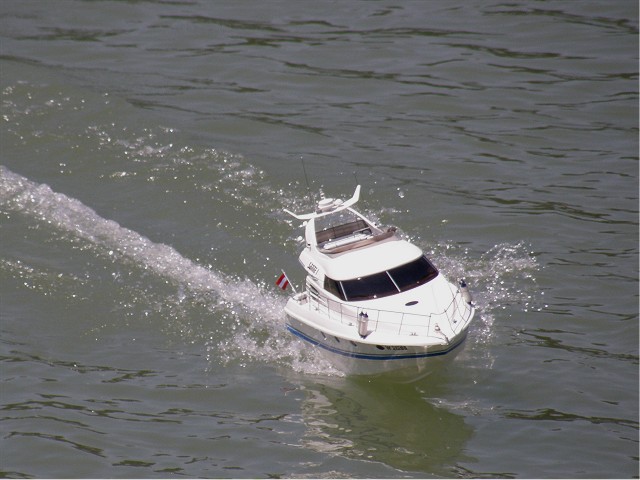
373 355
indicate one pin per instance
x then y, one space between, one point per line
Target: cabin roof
367 260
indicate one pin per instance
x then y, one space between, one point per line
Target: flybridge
336 228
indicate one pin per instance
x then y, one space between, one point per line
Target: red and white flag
283 281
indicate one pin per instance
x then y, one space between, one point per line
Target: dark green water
147 151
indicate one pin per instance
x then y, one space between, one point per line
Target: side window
332 286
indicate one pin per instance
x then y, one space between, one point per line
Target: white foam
258 331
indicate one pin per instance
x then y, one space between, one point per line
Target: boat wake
232 305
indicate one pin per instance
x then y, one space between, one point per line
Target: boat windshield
399 279
337 225
413 274
372 286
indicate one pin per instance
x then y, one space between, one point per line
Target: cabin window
399 279
333 287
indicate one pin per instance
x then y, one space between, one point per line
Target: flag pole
295 292
283 282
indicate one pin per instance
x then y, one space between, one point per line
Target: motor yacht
373 301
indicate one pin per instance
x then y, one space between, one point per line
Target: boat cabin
353 259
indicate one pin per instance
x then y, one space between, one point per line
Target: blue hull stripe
368 356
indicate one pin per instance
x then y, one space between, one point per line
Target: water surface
148 149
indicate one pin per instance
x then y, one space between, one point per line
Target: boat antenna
306 179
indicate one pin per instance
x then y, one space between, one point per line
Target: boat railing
455 315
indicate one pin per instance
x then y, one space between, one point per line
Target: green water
148 149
